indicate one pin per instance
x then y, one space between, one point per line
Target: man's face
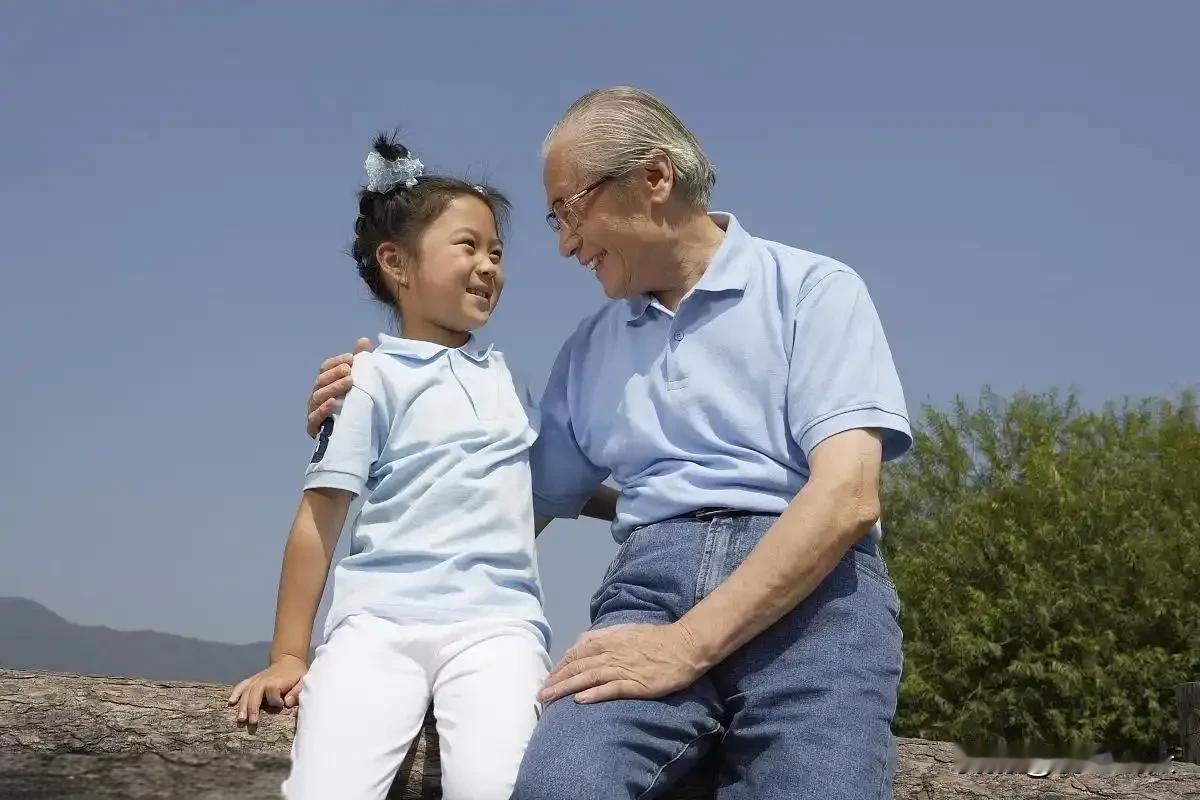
605 228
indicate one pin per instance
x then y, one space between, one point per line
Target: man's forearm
602 504
789 562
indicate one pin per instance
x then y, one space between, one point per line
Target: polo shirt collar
427 351
727 272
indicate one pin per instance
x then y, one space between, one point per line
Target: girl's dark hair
401 213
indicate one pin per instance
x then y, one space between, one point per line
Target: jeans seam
879 580
705 562
658 774
883 772
616 564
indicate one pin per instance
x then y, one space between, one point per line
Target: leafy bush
1048 562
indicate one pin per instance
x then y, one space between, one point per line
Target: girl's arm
306 558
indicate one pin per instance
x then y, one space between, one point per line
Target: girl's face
456 279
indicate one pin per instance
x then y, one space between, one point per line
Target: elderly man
742 395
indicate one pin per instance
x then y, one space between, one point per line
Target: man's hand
333 382
633 660
278 685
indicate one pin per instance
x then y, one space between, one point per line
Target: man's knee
551 779
568 759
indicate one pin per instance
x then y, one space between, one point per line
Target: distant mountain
34 637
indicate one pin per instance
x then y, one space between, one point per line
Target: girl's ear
393 263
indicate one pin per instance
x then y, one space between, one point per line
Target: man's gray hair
615 130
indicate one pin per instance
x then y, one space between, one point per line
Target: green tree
1048 561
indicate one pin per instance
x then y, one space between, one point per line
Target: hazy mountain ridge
34 637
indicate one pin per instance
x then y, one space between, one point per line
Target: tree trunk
75 737
1187 699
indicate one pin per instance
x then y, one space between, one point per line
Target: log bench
74 737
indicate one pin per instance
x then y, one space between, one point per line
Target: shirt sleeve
842 376
563 477
347 445
528 404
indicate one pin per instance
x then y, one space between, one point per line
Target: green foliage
1048 562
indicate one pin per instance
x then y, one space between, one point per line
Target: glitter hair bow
383 175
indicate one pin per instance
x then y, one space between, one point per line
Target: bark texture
75 737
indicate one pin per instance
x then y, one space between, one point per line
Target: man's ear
658 173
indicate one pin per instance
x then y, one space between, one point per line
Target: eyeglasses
562 213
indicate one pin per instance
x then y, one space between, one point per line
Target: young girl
439 597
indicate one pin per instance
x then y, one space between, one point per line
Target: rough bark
1187 699
74 737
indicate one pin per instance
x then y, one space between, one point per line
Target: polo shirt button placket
675 376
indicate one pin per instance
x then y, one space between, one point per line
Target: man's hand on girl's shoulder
333 382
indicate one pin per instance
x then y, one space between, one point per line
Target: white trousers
364 698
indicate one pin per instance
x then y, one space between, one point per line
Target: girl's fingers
242 707
292 698
255 704
237 691
273 697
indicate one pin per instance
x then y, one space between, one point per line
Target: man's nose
568 241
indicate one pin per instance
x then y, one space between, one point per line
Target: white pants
364 698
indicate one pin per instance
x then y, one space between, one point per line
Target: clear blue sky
1017 182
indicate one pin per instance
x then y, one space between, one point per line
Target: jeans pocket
868 563
620 557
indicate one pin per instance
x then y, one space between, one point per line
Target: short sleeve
347 444
842 376
525 396
563 477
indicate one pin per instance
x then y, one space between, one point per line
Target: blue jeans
803 710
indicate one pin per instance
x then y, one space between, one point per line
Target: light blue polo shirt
720 403
437 441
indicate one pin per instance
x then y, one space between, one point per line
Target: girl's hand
278 685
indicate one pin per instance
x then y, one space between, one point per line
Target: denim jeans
803 710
